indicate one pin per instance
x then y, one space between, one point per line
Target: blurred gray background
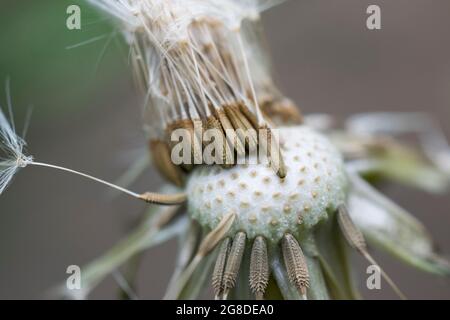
87 117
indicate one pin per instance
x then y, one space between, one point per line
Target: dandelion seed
259 267
219 268
233 262
356 239
295 264
14 158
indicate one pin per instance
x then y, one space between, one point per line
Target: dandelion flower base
265 204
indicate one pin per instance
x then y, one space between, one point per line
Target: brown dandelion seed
356 240
271 145
231 134
295 263
352 234
208 243
163 199
242 126
233 262
259 268
161 158
219 267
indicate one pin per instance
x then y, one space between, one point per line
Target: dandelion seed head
204 60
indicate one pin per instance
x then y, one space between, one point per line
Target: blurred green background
56 69
87 117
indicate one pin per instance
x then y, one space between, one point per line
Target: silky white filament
109 184
192 57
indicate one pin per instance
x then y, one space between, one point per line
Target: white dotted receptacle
265 204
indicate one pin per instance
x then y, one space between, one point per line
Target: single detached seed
356 240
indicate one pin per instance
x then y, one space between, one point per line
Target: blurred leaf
406 166
391 228
335 262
